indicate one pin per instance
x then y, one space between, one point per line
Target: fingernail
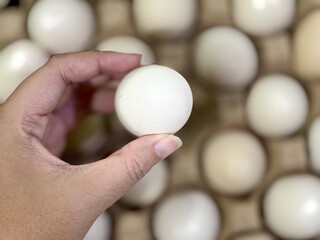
168 145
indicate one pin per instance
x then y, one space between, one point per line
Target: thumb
105 181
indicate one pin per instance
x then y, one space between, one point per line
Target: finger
103 101
102 80
99 81
55 135
119 76
41 92
105 181
68 94
67 113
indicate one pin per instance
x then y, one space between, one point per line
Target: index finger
40 93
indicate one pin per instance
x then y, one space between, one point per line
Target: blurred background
249 167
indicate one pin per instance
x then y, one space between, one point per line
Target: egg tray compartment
214 109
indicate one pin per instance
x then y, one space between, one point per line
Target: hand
41 196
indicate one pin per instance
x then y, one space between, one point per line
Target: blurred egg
263 17
261 235
277 106
292 207
128 44
88 136
234 162
4 3
306 47
225 57
17 61
186 215
9 82
314 144
153 99
149 188
62 26
101 228
164 19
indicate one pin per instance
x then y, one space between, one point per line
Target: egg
306 48
263 17
259 235
4 3
277 106
62 26
233 161
17 61
186 215
225 57
101 228
149 188
88 137
128 44
153 99
292 207
164 19
313 144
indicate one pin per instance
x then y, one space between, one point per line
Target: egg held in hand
153 99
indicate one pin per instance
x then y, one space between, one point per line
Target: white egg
263 17
17 61
62 26
314 145
306 48
88 137
4 3
166 18
186 215
277 106
101 228
128 44
9 82
292 207
149 188
153 99
226 57
234 162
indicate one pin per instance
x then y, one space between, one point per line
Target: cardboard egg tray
213 109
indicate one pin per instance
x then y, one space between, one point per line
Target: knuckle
55 58
29 124
135 164
62 64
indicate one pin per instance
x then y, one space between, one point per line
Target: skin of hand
41 196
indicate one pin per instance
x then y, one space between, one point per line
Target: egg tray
214 109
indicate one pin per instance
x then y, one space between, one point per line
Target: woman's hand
41 196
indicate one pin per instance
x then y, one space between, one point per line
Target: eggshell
314 145
128 44
225 57
101 228
277 106
4 3
17 61
88 137
292 207
165 19
153 99
62 26
306 48
186 215
263 17
234 162
149 188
